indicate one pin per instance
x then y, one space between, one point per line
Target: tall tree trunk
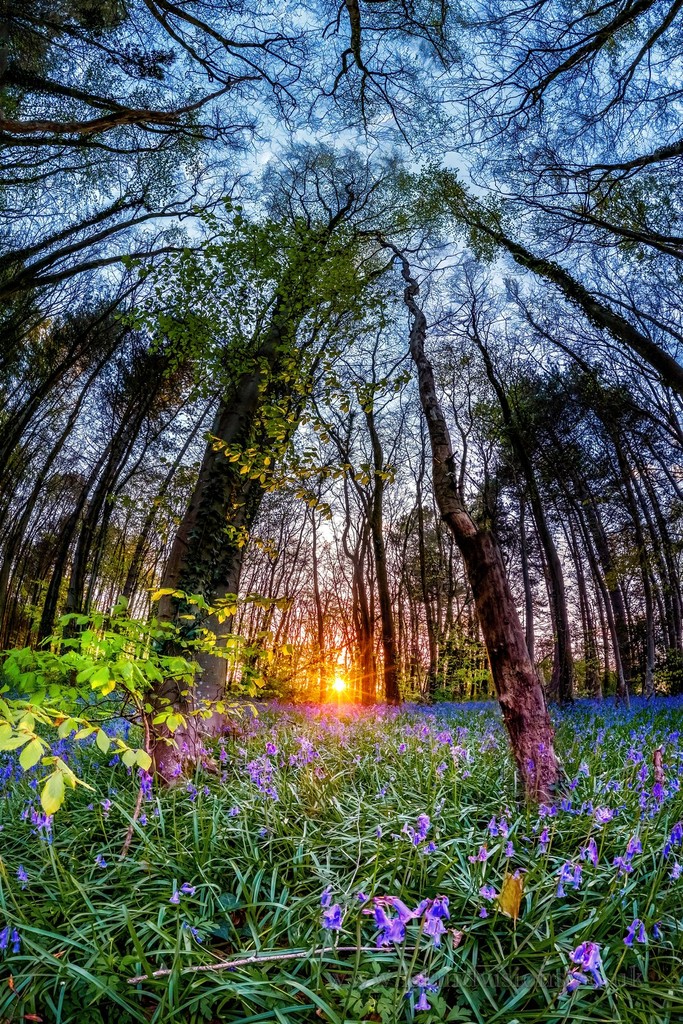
590 652
529 633
562 682
519 692
391 691
319 612
424 587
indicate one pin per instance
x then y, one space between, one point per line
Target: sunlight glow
339 684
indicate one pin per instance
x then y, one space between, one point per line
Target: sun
339 684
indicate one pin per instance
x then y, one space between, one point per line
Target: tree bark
519 692
390 671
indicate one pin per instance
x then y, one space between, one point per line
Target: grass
256 844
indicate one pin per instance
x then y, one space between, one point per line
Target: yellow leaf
52 796
511 893
31 754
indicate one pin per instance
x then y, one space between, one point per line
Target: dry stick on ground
247 961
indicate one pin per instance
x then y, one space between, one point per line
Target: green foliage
94 667
254 870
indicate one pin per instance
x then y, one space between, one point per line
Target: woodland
341 511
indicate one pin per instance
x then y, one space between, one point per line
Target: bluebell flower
326 897
391 929
587 958
423 985
100 861
488 892
187 889
634 846
481 856
404 912
332 918
636 930
175 898
22 876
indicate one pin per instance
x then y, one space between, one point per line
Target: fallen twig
247 961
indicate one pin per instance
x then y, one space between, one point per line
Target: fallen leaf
511 893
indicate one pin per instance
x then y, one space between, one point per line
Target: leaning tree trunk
519 692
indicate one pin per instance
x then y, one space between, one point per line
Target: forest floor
376 860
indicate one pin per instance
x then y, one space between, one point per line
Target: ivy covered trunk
208 549
519 691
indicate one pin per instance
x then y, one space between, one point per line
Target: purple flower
636 930
434 912
590 852
361 897
623 866
586 956
657 930
22 876
676 871
603 814
483 912
418 834
145 783
326 898
405 914
175 898
422 1003
634 846
8 935
509 850
332 918
488 892
100 861
481 856
271 749
675 838
390 929
187 889
423 985
544 839
570 874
